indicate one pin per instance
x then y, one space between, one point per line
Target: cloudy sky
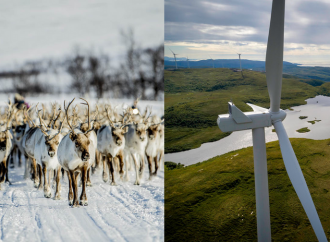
221 28
35 29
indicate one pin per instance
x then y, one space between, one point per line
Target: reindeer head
141 131
81 143
81 140
52 140
154 129
118 131
52 144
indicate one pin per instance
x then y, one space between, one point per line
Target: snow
125 212
115 213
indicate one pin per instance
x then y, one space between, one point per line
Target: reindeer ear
72 136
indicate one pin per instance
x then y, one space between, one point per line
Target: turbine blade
274 55
257 108
298 181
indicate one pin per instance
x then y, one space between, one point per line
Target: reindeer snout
142 138
51 153
85 156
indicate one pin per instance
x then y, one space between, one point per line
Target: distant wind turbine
176 66
240 64
188 63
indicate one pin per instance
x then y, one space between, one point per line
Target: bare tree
78 72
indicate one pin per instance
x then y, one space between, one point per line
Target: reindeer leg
74 177
111 169
3 168
70 195
137 168
58 184
7 179
27 162
121 163
83 197
19 158
89 183
12 154
40 176
141 165
47 191
156 166
105 175
149 158
36 178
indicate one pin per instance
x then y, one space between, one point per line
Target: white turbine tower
188 63
176 66
240 64
261 118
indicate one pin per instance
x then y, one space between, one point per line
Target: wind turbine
261 118
176 66
188 63
240 64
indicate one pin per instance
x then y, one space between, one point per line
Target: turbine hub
277 116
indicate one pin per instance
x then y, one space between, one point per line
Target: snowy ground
115 213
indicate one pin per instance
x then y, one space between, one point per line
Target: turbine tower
188 63
261 118
176 66
240 64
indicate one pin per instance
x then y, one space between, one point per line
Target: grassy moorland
195 97
215 200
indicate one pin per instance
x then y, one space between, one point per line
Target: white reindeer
76 153
45 153
111 143
136 142
155 144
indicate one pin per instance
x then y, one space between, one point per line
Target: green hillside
195 97
215 200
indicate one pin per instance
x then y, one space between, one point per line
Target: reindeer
154 144
29 142
5 147
136 142
111 143
76 154
45 153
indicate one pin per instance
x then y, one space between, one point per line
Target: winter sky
36 29
222 28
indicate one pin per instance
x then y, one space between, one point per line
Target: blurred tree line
139 74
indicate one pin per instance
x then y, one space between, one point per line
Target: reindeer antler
89 124
67 116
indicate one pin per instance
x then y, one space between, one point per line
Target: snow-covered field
125 212
115 213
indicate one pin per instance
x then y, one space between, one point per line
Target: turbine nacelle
237 120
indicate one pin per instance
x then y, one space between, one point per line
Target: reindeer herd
56 141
